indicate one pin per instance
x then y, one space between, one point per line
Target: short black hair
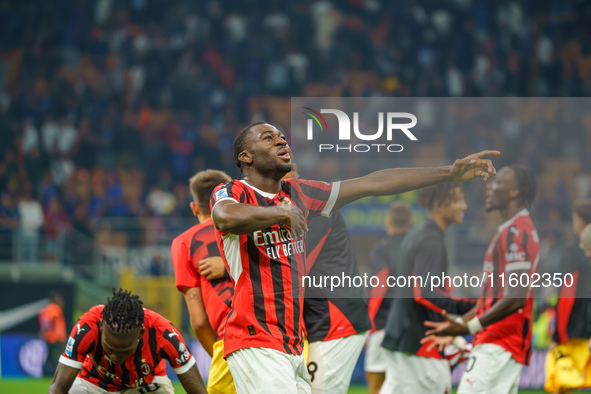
400 214
583 209
440 193
526 183
124 312
239 142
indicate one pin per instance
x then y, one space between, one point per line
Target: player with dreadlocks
120 347
502 321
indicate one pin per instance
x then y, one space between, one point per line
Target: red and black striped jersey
266 267
515 246
192 246
160 341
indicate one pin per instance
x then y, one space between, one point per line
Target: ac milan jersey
267 265
343 311
192 246
161 340
515 246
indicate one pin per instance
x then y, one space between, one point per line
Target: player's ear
142 331
245 157
513 192
194 208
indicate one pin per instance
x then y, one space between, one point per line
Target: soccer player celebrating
568 356
260 224
384 255
502 321
412 367
204 281
120 347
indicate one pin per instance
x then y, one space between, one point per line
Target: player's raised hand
474 166
295 219
212 267
445 328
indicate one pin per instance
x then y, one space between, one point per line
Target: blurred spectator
9 220
28 236
57 225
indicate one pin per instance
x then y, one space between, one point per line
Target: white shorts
331 363
375 354
160 385
490 369
410 374
260 370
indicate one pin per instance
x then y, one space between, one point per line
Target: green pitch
37 386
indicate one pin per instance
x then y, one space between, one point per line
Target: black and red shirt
266 267
192 246
160 341
340 311
573 310
382 259
515 246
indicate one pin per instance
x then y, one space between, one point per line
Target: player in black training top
412 367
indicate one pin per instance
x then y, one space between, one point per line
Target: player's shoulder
187 236
155 320
94 314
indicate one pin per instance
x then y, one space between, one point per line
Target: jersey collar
265 194
523 212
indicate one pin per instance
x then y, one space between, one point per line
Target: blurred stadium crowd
108 107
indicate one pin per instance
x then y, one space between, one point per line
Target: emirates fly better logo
391 119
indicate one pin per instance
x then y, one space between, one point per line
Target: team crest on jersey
181 347
221 194
145 369
70 346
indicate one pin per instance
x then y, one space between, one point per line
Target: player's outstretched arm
63 379
236 218
192 381
514 299
198 317
400 180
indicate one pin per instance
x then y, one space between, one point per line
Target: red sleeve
83 338
173 348
317 197
231 190
185 274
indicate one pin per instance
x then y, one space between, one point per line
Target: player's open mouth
284 154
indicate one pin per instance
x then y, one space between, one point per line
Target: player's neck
264 183
440 221
203 217
512 208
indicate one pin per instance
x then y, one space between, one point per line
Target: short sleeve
226 191
318 197
83 339
174 349
184 272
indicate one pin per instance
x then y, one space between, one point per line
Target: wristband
474 325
